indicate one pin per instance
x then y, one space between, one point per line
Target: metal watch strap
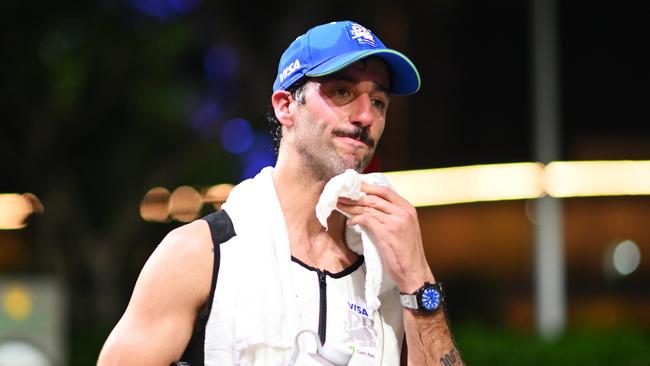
409 301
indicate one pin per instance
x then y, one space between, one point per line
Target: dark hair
297 91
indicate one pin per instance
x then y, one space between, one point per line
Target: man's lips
357 135
352 141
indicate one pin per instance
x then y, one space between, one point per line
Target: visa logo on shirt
358 309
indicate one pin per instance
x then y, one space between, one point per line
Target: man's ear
281 100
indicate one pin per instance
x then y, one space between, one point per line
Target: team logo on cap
361 34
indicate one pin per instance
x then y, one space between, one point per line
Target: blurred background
104 100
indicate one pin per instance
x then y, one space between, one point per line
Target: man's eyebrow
352 80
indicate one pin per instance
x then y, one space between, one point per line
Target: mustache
358 133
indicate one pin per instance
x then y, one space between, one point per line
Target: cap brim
405 78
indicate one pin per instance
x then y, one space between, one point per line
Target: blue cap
328 48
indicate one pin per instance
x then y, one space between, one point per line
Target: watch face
431 299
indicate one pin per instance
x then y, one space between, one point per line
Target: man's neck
298 193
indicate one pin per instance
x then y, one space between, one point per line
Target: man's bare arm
392 223
173 285
429 340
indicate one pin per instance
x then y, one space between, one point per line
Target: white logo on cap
289 69
361 34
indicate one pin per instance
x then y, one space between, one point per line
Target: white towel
348 184
267 317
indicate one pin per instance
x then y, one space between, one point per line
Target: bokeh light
221 62
155 205
237 136
260 155
626 257
185 204
17 303
183 6
16 208
164 9
597 178
206 118
21 353
217 194
37 206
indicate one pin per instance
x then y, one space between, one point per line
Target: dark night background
103 100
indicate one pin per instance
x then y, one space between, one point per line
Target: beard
323 160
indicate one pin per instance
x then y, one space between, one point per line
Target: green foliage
85 345
488 345
483 345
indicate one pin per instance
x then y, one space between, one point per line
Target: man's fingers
375 202
356 210
384 192
359 213
369 218
350 209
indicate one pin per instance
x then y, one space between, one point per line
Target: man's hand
392 224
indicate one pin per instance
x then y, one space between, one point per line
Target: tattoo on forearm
450 358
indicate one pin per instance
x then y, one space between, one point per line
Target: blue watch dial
431 299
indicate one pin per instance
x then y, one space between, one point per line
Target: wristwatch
427 299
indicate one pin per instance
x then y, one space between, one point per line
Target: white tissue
348 184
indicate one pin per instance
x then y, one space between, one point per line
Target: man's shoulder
180 266
192 231
189 239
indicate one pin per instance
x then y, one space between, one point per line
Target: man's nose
363 113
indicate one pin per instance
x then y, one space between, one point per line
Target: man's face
342 119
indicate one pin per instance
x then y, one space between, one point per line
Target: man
238 286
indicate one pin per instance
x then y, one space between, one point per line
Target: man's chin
356 164
341 168
344 163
